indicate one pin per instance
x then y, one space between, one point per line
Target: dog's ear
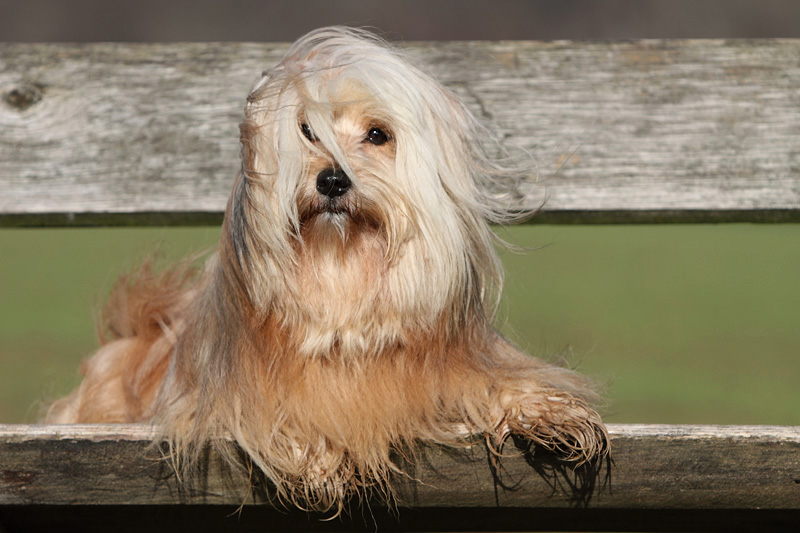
243 256
238 227
254 247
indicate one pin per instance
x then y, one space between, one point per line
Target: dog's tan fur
328 334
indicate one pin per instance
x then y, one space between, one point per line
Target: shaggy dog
347 315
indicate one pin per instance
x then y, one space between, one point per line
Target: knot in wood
24 96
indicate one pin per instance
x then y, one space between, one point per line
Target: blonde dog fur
333 330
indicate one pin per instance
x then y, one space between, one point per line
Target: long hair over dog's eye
377 136
308 133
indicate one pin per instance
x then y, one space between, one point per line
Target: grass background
685 324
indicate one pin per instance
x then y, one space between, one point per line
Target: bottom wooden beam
663 478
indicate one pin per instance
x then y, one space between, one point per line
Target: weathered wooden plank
613 132
723 476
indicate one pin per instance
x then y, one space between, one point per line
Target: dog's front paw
558 421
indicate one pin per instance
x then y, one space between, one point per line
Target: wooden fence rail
724 478
647 131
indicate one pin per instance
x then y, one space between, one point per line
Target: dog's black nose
333 182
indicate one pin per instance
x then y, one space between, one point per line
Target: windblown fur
334 330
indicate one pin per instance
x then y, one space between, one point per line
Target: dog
346 317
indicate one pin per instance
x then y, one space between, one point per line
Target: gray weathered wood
634 131
750 472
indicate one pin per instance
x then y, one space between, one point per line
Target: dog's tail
138 329
148 302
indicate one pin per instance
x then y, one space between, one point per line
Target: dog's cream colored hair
324 340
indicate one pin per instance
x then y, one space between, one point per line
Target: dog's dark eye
307 133
377 136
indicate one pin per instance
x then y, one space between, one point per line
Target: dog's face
346 195
360 213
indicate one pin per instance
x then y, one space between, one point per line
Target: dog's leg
545 405
556 420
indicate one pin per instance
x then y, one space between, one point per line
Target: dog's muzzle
333 182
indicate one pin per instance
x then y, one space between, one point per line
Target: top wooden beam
646 131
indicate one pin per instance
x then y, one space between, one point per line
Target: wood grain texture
648 131
720 476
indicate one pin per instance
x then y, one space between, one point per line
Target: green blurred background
683 324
